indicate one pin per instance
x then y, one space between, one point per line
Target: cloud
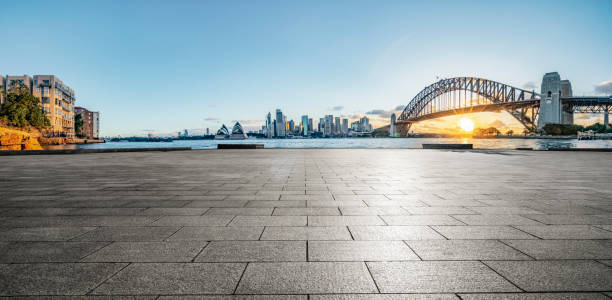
497 124
337 108
530 85
604 88
250 122
376 112
400 107
211 119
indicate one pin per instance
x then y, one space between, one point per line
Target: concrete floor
362 223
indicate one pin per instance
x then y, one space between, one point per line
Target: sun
466 125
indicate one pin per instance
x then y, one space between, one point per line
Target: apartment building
56 99
91 122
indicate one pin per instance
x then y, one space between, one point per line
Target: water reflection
501 143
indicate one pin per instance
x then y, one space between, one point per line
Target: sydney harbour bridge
554 104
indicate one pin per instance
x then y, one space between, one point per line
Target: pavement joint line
107 279
430 227
95 251
502 276
415 253
507 244
531 234
167 239
371 276
200 252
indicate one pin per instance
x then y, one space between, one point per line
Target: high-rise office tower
305 127
310 128
345 126
280 124
329 125
269 130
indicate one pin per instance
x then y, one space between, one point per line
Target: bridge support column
606 119
403 129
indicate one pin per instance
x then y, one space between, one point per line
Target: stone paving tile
439 210
570 219
306 233
221 220
336 203
239 211
278 203
421 220
306 278
382 233
132 234
269 221
541 276
253 251
561 232
535 296
74 221
359 251
53 278
173 211
507 210
43 233
385 297
564 249
217 203
217 233
306 211
237 297
183 251
26 252
173 278
481 232
373 211
465 250
344 220
437 277
495 220
82 297
395 203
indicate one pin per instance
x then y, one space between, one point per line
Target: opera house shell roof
222 133
238 132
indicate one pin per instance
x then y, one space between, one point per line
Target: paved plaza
307 224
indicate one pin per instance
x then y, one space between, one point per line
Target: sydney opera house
236 134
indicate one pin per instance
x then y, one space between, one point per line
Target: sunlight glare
466 125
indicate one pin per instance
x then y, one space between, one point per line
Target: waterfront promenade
309 223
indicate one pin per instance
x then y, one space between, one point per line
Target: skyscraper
269 130
305 127
392 126
337 126
280 124
328 125
345 127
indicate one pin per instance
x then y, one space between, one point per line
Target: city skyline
210 63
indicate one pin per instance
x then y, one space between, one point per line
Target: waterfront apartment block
56 99
91 122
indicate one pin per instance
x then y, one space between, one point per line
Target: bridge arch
444 98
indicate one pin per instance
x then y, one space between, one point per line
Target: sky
165 66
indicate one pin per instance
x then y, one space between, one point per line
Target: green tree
509 132
22 109
78 124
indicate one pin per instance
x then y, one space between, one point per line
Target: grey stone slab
504 210
241 211
269 221
29 252
373 211
394 203
359 251
53 278
421 220
82 297
132 234
569 275
561 232
495 220
221 220
217 233
535 296
253 251
174 211
217 203
183 251
481 232
564 249
306 211
605 227
570 219
173 278
277 203
75 221
306 278
306 233
437 277
104 211
334 203
344 220
465 250
384 233
439 210
385 297
43 233
237 297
